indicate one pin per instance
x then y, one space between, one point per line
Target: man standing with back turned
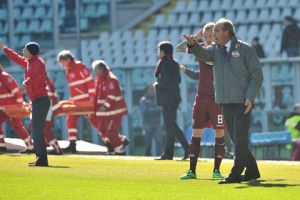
238 78
168 96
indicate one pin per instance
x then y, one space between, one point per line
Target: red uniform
109 95
55 108
205 108
10 94
82 87
34 67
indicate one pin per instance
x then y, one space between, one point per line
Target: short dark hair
227 25
166 46
64 55
256 38
100 64
290 19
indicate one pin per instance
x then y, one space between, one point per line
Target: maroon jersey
206 79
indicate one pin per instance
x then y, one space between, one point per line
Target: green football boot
189 175
217 174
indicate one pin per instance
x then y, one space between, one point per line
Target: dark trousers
172 129
40 107
238 127
153 133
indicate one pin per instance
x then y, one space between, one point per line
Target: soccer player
205 109
109 107
82 88
9 95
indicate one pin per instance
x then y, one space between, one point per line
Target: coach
35 86
238 78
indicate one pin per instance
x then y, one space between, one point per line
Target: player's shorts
206 111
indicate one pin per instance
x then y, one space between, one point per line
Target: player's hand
102 109
1 44
199 35
248 103
154 84
22 88
189 38
182 68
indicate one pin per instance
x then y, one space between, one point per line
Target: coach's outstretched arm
202 53
13 55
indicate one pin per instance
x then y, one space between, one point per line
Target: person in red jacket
10 95
109 107
55 108
82 88
35 85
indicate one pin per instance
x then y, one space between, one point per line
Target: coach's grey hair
227 25
100 64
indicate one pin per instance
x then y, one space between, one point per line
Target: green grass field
104 177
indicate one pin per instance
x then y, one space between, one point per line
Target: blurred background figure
290 37
293 124
257 46
151 121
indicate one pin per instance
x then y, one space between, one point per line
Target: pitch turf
101 177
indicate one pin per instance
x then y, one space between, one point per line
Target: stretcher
68 108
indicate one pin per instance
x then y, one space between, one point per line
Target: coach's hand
189 38
248 103
199 35
182 68
1 44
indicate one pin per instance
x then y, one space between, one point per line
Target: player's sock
219 152
194 153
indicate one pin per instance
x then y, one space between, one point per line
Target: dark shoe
186 155
26 151
126 142
120 154
2 149
53 152
250 177
35 164
110 149
230 179
71 148
164 157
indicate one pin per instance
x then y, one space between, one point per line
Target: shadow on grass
264 183
62 167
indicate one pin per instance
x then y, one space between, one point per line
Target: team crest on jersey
235 54
72 75
111 85
85 72
9 79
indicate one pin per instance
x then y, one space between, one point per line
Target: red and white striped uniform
109 95
82 88
9 95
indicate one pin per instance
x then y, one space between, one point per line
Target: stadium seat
286 12
17 12
21 27
294 3
3 14
62 12
272 3
33 2
139 35
297 13
194 19
242 32
34 26
180 6
203 5
40 12
218 15
283 3
226 5
46 2
264 15
207 17
46 26
84 24
5 28
90 11
19 3
159 21
174 34
192 6
237 4
260 4
214 5
27 13
249 4
252 16
241 16
172 20
230 15
182 20
275 14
